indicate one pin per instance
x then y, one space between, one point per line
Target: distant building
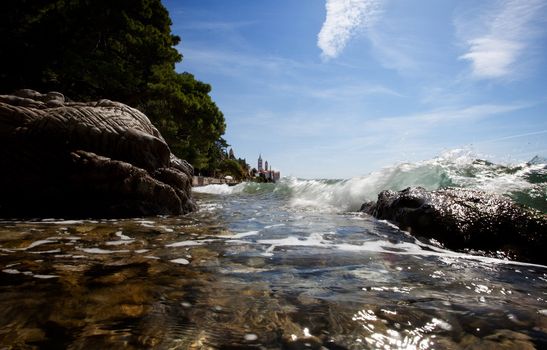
267 171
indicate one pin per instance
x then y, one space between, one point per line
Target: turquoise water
273 266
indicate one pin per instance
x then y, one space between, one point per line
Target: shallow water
253 271
264 266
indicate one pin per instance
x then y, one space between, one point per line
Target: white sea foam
237 241
216 189
53 251
331 196
101 251
64 238
122 236
147 223
389 224
250 337
271 226
27 273
180 261
349 195
120 242
245 234
314 240
186 244
67 222
39 243
381 246
45 276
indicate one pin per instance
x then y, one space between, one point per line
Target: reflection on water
254 273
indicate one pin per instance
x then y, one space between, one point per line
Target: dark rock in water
95 159
464 219
537 160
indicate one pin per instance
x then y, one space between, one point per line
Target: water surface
263 266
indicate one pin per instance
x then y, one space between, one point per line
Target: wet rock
465 219
95 159
309 342
501 339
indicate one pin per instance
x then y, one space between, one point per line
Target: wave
526 183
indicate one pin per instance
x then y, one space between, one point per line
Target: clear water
262 266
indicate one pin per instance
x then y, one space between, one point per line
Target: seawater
291 265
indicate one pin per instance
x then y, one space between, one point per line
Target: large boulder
94 159
464 219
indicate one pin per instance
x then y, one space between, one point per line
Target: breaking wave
526 183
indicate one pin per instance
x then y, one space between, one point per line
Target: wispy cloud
369 143
494 51
234 63
516 136
395 50
338 91
417 121
213 25
344 18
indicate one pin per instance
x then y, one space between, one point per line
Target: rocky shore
466 220
85 159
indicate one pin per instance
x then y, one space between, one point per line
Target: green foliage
233 168
122 50
221 164
87 49
187 117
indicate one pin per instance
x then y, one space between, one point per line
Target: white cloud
494 51
340 90
394 49
433 118
213 25
492 57
343 18
232 63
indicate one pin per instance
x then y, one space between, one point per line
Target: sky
341 88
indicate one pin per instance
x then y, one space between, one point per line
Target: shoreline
199 181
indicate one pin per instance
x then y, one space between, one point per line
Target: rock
537 160
464 219
95 159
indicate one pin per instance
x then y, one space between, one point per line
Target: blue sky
340 88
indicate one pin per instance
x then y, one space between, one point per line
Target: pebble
181 261
250 337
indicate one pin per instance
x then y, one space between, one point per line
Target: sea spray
215 189
526 183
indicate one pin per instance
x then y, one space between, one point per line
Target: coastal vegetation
117 50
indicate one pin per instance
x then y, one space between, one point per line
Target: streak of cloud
419 121
494 51
344 18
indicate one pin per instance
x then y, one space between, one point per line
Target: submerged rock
465 219
95 159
